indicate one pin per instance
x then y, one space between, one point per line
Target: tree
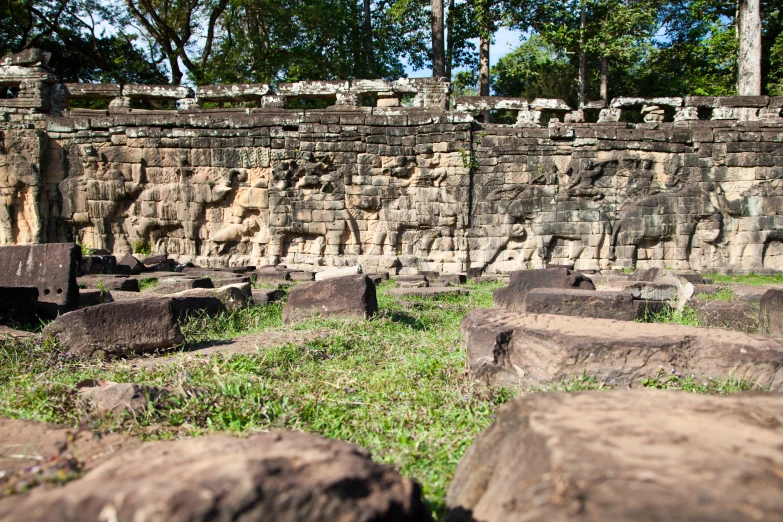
749 59
175 25
69 29
438 48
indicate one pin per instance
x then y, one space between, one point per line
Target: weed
670 315
689 384
724 294
147 283
142 247
86 249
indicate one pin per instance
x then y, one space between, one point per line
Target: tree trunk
438 51
749 60
604 79
450 39
582 56
368 39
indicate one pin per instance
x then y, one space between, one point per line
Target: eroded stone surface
512 297
641 455
349 296
269 476
120 328
582 303
524 350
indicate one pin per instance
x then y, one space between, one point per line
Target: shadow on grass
396 316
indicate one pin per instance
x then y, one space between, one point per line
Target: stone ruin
388 176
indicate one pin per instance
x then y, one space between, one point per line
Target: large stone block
52 268
122 328
641 455
771 313
350 296
18 304
512 297
581 303
278 476
524 350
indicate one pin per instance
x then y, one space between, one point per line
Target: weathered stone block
523 350
350 297
512 297
581 303
52 268
122 328
644 455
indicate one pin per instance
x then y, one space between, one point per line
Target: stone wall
696 184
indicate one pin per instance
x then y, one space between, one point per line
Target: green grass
144 284
750 279
396 385
670 315
724 294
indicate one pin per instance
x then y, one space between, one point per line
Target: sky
505 41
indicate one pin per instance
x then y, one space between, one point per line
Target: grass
670 315
724 294
395 384
750 279
144 284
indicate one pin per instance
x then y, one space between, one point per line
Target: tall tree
175 25
368 39
749 59
438 48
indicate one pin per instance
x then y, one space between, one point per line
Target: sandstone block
263 297
411 281
110 282
512 297
734 315
771 313
233 296
581 303
93 296
524 350
18 304
338 272
173 285
123 328
134 265
350 296
641 455
431 291
270 476
52 268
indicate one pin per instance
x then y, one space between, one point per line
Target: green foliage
142 247
396 386
535 70
147 283
750 279
674 381
670 315
724 294
86 249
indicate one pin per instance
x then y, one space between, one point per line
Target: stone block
771 313
621 455
350 297
512 297
52 268
524 350
122 328
18 304
338 272
580 303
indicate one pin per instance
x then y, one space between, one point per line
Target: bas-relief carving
422 210
21 216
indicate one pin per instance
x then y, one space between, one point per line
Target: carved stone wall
393 187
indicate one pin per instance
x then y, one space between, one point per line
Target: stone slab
52 268
524 350
580 303
624 455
